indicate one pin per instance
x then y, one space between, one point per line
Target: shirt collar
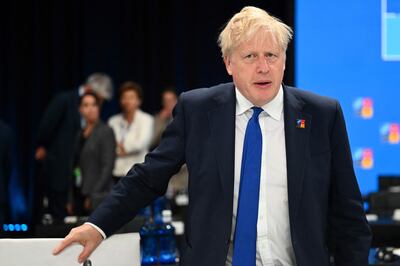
274 108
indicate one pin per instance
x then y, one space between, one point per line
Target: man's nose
262 65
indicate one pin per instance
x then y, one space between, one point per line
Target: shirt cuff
98 229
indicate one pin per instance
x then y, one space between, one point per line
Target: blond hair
243 25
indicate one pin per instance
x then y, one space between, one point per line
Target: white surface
179 227
372 217
118 250
396 215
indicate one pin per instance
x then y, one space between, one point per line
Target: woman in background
94 158
133 129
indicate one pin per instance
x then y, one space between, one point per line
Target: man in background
57 133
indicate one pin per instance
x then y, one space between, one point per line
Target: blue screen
350 50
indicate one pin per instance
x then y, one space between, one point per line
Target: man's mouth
263 84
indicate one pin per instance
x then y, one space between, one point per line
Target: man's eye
271 55
250 56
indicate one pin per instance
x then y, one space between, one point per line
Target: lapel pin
300 123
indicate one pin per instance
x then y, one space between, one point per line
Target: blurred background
48 48
349 50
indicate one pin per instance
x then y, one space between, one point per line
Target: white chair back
118 250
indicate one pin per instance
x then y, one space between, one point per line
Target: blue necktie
244 250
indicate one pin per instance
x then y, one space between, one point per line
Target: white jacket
135 137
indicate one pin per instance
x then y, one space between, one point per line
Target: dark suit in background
5 169
57 133
325 208
95 159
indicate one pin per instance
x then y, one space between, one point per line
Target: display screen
350 50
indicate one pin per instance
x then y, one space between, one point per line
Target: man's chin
264 98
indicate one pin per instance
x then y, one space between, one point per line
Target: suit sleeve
107 158
147 181
349 230
50 120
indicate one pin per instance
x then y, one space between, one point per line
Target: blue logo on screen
364 158
390 133
364 107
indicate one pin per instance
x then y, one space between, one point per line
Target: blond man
271 180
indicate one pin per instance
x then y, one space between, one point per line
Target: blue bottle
149 243
166 238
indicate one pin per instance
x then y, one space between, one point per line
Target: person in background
94 158
56 136
169 97
164 117
133 129
5 169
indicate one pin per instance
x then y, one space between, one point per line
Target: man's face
257 68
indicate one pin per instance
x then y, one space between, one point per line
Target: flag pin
300 123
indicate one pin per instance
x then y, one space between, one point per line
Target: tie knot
256 111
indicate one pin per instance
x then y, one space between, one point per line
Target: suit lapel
222 126
296 148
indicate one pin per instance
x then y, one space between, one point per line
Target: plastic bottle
166 238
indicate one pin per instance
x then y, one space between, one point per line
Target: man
56 136
271 180
5 169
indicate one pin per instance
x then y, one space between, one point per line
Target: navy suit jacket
325 207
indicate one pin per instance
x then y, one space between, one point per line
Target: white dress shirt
135 138
274 246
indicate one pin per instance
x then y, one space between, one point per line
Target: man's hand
86 235
40 153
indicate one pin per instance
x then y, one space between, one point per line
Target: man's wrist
98 229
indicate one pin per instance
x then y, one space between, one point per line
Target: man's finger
64 243
87 250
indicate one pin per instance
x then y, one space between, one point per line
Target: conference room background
347 50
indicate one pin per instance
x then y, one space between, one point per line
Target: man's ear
228 62
284 63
